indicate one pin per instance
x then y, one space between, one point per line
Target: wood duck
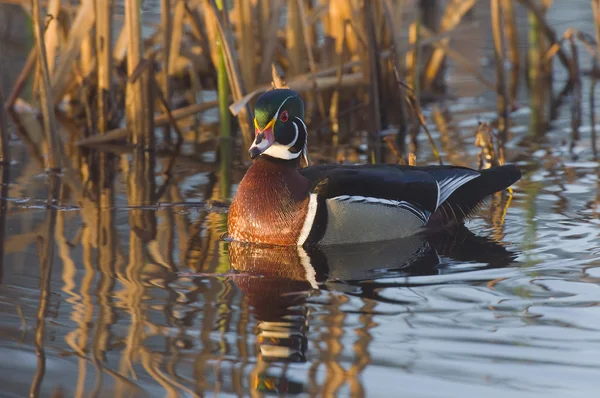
279 203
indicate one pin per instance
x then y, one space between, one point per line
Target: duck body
280 203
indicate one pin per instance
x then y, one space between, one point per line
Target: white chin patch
281 152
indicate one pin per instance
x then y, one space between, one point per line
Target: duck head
280 131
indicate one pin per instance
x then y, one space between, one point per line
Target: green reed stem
224 117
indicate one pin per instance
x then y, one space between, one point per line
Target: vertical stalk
104 38
510 29
500 56
596 10
53 159
295 39
224 118
534 76
5 174
166 26
374 77
136 100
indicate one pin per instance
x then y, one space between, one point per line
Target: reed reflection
279 282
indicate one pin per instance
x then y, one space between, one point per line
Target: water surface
507 307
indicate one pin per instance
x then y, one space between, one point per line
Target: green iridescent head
279 126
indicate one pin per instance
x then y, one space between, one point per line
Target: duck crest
271 203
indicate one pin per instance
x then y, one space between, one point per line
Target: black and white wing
354 204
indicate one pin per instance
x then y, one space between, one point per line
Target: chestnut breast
270 205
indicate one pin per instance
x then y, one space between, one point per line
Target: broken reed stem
500 57
54 142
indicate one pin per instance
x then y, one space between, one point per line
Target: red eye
284 116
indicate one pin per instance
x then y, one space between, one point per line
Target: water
508 307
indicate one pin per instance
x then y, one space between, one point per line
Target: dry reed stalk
440 120
138 102
295 42
53 160
577 92
500 57
247 42
535 76
372 70
335 24
413 104
511 32
86 56
52 35
264 10
335 97
277 79
104 37
166 34
324 79
80 29
412 57
175 36
107 235
270 41
306 34
453 14
393 18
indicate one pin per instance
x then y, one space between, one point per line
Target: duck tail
463 202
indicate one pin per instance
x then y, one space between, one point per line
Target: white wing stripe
309 220
448 185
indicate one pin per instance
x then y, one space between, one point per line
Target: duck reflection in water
279 280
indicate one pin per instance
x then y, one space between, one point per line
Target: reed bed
114 85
